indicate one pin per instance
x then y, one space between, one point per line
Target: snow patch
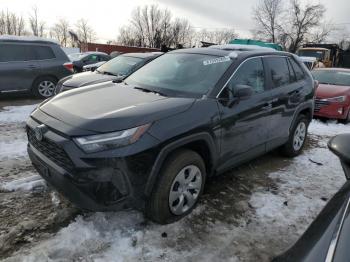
13 114
13 149
330 128
31 183
303 188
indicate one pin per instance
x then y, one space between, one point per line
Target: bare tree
11 24
303 21
37 27
151 25
181 33
299 24
60 32
127 36
218 36
154 27
266 15
84 31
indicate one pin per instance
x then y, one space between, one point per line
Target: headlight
338 99
96 143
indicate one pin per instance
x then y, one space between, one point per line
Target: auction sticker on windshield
216 60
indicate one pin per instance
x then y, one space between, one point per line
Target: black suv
151 141
31 64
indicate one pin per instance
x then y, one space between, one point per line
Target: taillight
69 66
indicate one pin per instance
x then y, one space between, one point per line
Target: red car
333 93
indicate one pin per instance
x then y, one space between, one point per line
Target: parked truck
328 54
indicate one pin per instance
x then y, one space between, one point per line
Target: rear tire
44 87
297 137
180 185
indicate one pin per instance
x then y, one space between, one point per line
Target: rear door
245 122
47 63
285 97
16 67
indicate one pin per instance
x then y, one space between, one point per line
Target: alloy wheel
46 88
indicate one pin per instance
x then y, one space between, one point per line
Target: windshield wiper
149 90
109 73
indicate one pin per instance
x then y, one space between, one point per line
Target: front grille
51 150
319 104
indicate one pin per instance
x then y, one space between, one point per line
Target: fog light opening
340 111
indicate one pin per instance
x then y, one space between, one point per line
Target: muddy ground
226 215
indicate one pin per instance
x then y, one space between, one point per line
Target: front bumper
96 182
331 110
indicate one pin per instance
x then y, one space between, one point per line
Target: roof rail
32 39
238 47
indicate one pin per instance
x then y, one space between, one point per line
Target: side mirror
340 146
243 91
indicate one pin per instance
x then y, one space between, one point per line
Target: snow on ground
12 114
329 128
13 148
270 220
27 183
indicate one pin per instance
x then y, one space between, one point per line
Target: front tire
297 137
181 182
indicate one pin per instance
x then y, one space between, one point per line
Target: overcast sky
107 16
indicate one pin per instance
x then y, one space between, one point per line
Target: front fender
169 148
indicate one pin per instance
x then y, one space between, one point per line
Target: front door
244 122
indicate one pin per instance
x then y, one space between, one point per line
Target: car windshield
181 73
312 53
77 56
121 65
332 77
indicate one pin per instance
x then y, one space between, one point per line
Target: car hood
87 78
327 91
111 107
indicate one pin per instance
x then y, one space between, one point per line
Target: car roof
29 39
143 55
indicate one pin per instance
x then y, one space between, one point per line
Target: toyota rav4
151 141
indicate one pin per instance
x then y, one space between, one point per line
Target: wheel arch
201 143
306 109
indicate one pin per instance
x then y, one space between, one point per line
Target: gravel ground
251 213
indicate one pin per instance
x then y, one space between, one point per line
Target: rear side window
278 69
292 76
299 73
44 52
12 53
92 58
250 73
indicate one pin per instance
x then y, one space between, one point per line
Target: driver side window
250 73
